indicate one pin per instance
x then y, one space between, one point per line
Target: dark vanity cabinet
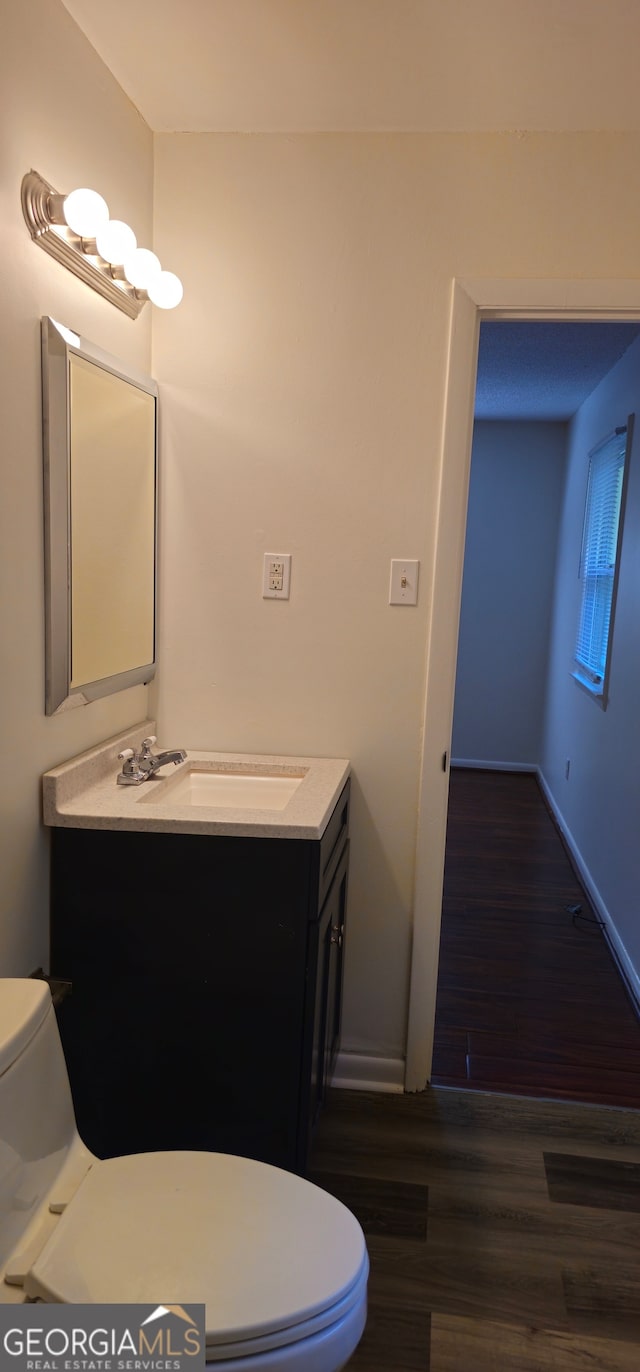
206 977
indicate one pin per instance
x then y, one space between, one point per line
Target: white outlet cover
278 564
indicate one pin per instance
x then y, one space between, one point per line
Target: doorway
472 301
529 998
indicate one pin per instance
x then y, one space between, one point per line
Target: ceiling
397 65
372 65
544 370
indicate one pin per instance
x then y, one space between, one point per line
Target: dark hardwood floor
504 1229
530 1000
503 1233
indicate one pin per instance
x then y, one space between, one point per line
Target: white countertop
83 793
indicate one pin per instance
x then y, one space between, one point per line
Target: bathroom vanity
203 939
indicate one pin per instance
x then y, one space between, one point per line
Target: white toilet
280 1265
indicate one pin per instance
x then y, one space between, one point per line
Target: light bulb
85 212
115 241
140 267
165 290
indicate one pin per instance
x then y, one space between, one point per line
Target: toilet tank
37 1123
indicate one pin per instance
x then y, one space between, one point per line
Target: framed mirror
100 429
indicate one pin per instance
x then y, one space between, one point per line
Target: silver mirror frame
58 344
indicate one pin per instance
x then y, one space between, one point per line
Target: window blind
599 556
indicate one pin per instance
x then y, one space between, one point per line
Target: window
599 560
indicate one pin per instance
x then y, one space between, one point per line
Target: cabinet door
328 991
187 955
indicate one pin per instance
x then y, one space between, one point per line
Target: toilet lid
264 1250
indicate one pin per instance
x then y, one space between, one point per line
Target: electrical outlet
276 576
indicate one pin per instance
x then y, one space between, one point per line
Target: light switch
276 576
403 586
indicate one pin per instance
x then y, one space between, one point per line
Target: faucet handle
148 743
131 773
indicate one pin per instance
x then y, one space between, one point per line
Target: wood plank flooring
503 1232
530 1000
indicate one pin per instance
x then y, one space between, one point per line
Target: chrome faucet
139 767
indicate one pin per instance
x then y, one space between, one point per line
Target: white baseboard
494 766
355 1072
625 965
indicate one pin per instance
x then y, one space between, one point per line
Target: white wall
303 386
62 113
600 802
515 495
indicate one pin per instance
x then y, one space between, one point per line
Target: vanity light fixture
103 252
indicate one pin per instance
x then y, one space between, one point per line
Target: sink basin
235 789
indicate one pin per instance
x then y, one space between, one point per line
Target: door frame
472 300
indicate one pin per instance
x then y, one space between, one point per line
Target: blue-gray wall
599 805
515 500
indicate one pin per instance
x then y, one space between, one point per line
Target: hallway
530 1001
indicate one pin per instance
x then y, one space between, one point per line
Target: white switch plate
276 576
403 586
